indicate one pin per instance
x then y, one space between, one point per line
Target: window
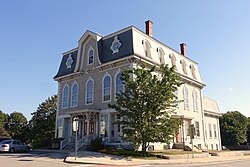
215 132
210 130
90 56
176 98
187 125
197 129
59 128
186 103
161 55
119 84
65 96
183 64
173 59
74 95
146 46
89 91
195 99
212 147
106 88
193 71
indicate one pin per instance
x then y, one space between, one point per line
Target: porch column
70 125
87 118
96 125
108 127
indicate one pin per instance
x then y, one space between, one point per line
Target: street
55 159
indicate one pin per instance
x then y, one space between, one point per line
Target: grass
130 154
140 155
176 152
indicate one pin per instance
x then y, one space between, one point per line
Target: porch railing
81 142
66 141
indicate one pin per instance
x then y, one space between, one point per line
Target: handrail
81 142
65 142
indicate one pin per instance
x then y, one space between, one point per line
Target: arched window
90 56
146 46
106 85
89 91
183 64
74 95
176 98
161 55
195 98
65 96
118 84
193 71
186 102
173 59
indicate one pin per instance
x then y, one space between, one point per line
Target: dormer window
146 46
90 56
161 55
173 59
193 71
183 64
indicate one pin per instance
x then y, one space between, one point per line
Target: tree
3 119
233 126
42 124
248 131
16 122
146 104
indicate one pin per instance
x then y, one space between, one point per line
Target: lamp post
75 129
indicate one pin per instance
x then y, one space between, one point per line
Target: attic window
160 55
69 62
90 56
193 71
173 59
146 46
183 63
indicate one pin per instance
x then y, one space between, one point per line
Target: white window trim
74 83
66 85
86 88
161 54
123 87
90 48
106 74
145 43
195 101
184 94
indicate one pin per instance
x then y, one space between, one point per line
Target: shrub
96 144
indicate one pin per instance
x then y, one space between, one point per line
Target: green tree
248 130
233 127
146 104
3 119
16 122
42 124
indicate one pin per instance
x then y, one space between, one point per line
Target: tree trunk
144 147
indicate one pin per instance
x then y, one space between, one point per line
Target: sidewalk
87 157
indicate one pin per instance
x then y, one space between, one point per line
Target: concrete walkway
87 157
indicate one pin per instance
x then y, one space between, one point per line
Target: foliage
233 126
248 131
146 104
96 144
122 152
4 133
16 123
42 123
3 119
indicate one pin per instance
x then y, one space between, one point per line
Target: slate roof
104 51
63 70
210 105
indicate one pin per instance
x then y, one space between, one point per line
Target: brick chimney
183 49
149 26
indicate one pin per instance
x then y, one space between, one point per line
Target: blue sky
33 34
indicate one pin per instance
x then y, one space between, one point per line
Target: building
89 79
